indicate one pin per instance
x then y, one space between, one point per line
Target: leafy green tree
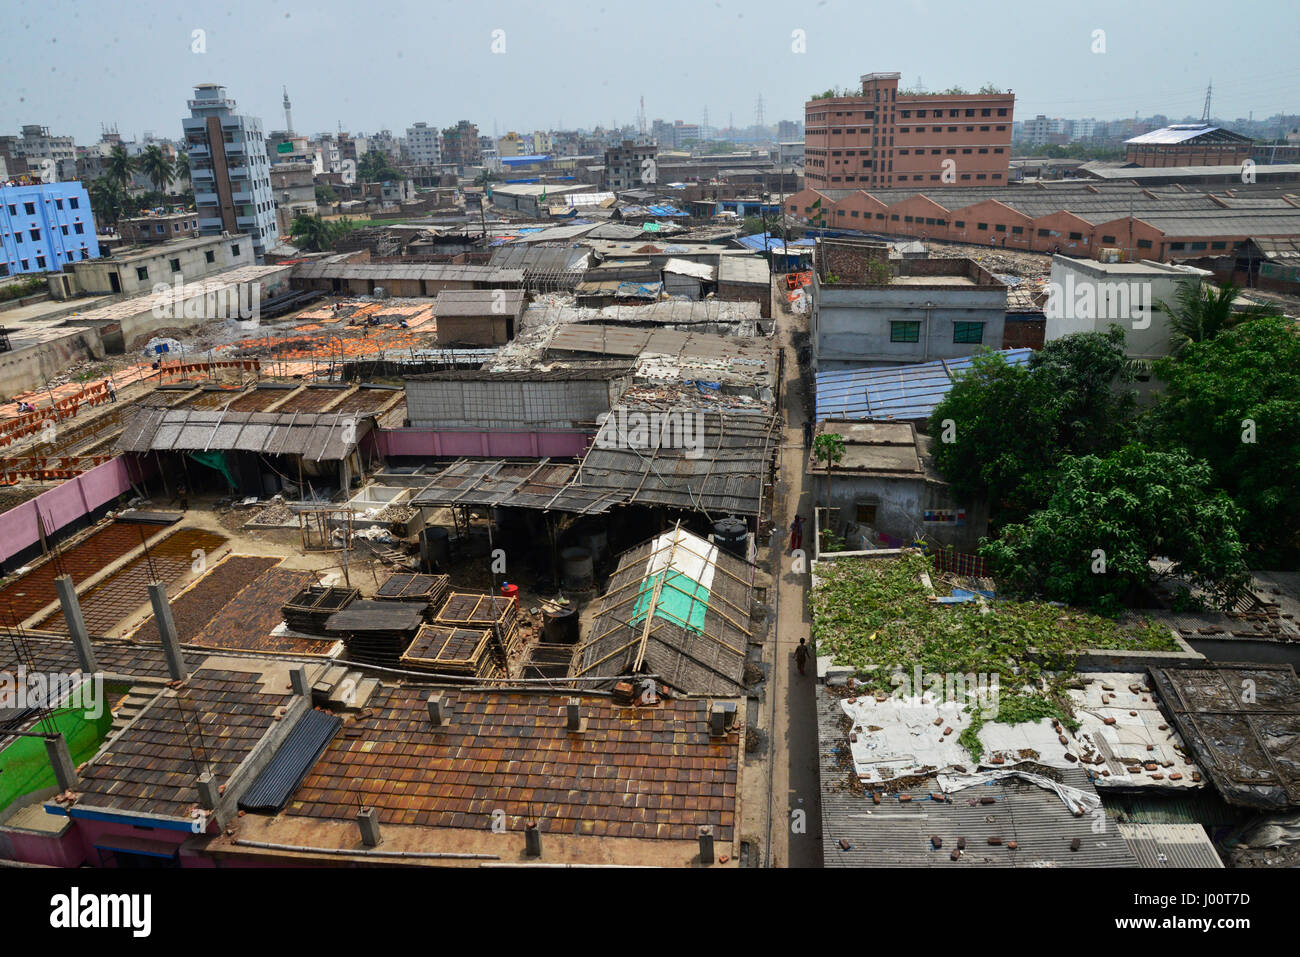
325 195
1108 516
1002 429
156 165
311 233
1234 400
375 168
182 168
1085 373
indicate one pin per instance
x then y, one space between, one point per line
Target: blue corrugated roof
762 241
902 392
301 749
666 211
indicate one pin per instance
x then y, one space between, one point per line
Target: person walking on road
112 392
796 533
801 655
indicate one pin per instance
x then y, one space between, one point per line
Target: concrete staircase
143 690
339 688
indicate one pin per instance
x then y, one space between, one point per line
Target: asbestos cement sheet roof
432 272
479 302
902 392
317 436
1242 724
1170 845
623 340
856 832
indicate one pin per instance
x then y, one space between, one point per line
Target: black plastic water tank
732 535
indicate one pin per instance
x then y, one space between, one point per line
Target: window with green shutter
968 332
906 331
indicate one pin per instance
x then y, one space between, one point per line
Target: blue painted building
45 226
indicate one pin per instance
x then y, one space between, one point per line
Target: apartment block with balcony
230 169
884 138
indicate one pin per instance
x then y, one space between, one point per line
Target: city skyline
256 50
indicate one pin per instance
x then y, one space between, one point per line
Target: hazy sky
385 64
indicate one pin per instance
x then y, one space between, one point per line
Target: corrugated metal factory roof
1184 132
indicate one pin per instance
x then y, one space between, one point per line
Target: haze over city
571 66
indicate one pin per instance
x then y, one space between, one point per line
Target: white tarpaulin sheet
1139 735
686 554
1079 802
902 736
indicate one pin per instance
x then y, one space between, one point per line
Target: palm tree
181 168
311 233
118 166
155 164
107 200
828 448
1201 311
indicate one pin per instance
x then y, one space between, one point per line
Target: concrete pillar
65 773
439 713
162 613
76 623
717 721
706 844
573 711
368 820
209 794
532 840
298 681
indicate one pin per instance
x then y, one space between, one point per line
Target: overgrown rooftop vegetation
877 612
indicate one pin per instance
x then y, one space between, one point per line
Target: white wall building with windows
230 169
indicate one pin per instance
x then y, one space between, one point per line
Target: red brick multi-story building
884 138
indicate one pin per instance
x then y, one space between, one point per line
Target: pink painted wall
63 851
555 443
65 503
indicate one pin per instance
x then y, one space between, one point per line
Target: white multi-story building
1040 130
424 144
229 169
331 157
1083 129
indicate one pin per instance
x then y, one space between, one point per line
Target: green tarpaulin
682 600
25 764
215 460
